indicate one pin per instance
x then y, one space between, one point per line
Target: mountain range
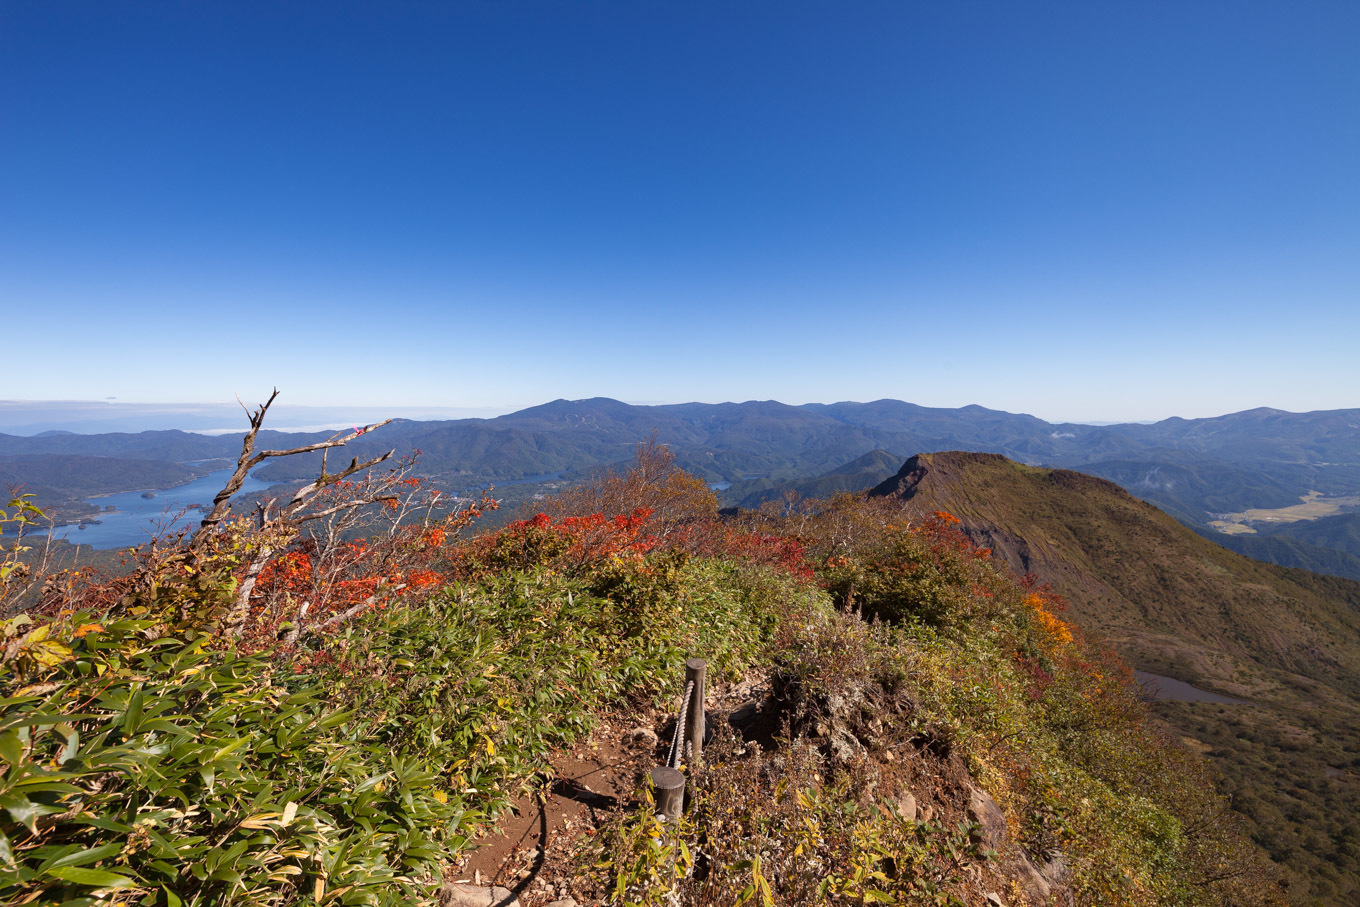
1196 469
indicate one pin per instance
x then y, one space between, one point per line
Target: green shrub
185 774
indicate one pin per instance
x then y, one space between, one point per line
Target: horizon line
35 424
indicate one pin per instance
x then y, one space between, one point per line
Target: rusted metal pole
695 725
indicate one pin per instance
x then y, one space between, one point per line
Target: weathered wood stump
669 785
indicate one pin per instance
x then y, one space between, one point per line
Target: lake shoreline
136 517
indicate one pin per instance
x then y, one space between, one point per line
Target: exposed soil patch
541 852
533 849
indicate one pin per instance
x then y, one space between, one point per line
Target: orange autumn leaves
1059 630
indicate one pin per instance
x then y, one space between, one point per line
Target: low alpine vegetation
296 713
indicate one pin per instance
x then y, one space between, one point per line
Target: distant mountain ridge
1193 468
595 429
860 473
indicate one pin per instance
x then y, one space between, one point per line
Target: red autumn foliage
714 538
577 543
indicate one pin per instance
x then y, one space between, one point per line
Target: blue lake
135 519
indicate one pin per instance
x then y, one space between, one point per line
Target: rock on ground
461 894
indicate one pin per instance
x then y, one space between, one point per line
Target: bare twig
292 635
276 528
348 613
249 459
299 501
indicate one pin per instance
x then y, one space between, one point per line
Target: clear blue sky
1079 210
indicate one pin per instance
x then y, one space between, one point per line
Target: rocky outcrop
903 484
462 894
1041 885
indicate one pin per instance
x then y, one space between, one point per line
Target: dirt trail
532 850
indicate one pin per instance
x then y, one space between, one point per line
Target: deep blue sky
1080 210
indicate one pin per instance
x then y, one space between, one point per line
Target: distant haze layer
33 417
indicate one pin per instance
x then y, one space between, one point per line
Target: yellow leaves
37 689
441 796
42 650
261 821
283 872
1060 630
685 861
759 886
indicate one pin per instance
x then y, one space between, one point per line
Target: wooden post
669 784
695 725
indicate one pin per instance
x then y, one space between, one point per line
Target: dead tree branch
347 614
276 529
249 459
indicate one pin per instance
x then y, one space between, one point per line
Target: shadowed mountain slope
1340 532
1285 549
857 475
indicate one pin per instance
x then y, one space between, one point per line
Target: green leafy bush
182 771
185 774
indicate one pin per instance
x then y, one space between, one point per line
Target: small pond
1155 686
